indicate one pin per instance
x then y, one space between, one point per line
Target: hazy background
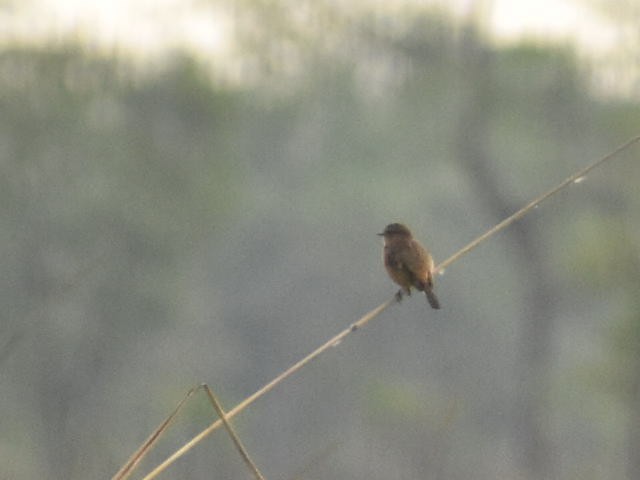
206 212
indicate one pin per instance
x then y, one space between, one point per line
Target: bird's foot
398 295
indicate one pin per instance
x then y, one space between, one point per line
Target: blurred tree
478 111
105 187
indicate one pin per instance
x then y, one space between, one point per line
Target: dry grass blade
232 433
139 454
376 311
268 387
532 204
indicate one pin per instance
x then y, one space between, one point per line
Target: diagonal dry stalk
147 445
576 177
138 455
232 433
126 470
266 388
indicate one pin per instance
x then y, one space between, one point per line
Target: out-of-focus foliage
160 229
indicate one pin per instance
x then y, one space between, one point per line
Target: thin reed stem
532 204
232 433
376 311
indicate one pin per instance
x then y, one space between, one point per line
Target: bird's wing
412 257
417 262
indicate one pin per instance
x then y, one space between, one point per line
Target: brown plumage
408 263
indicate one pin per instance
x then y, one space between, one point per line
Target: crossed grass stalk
224 417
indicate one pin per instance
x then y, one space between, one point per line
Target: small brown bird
408 263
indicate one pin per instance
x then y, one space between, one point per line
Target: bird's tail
431 297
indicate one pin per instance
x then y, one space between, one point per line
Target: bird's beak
380 234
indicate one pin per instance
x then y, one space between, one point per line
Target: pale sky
152 24
146 28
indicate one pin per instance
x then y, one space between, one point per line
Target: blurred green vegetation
161 228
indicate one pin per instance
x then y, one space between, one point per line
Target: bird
408 263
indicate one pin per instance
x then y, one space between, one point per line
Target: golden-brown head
396 230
